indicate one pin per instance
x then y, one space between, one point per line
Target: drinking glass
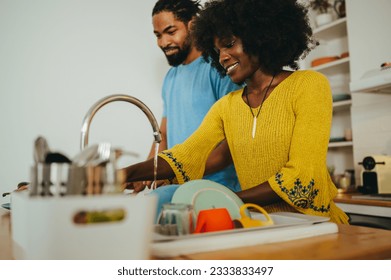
176 219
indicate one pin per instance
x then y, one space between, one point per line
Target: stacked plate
205 194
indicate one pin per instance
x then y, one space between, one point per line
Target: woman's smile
231 68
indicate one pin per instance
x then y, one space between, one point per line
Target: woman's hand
140 186
135 186
139 175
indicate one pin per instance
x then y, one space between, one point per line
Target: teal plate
205 194
341 97
6 206
337 139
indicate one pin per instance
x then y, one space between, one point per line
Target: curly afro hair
277 32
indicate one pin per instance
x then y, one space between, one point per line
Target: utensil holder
60 179
49 179
82 227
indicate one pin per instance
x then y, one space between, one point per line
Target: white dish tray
281 219
288 226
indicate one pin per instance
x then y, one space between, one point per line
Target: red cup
213 220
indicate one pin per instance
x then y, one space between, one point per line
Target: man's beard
179 57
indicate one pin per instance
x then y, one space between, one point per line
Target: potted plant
322 9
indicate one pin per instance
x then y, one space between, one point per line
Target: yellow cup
247 222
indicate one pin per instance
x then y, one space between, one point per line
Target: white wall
369 38
57 58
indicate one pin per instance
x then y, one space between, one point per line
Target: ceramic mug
215 219
247 222
176 219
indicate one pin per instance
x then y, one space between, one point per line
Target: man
190 87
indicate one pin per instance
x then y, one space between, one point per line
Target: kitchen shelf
341 144
340 63
329 31
341 105
333 41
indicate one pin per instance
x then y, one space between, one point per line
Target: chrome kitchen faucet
111 98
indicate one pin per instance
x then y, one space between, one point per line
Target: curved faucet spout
111 98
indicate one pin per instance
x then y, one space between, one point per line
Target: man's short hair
183 10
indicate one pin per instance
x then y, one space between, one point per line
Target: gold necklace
255 117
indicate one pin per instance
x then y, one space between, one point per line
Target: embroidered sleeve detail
178 166
302 196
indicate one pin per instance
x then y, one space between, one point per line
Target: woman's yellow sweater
289 149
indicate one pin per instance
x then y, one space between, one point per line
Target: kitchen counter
5 235
351 242
347 199
366 210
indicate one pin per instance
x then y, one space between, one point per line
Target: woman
278 126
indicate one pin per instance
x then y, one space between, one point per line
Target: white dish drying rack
288 226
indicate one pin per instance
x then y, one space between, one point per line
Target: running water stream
154 186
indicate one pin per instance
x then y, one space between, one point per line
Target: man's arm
262 195
218 159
